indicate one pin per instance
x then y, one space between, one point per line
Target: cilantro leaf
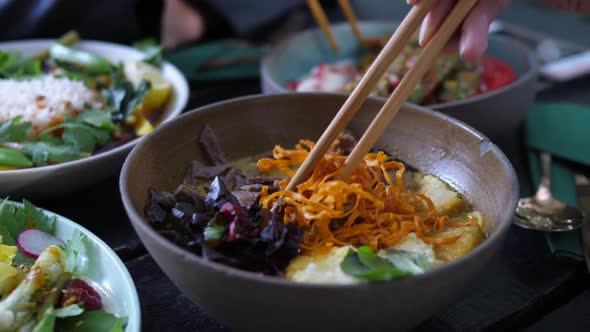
93 321
97 119
43 153
366 265
14 130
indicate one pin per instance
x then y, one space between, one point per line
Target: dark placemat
573 317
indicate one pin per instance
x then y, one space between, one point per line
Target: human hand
471 40
181 24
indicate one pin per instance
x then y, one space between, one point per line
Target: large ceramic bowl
494 114
50 181
105 269
431 141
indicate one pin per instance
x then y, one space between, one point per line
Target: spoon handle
544 191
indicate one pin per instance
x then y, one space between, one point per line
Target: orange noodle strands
370 208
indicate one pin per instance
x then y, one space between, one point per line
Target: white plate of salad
57 276
71 110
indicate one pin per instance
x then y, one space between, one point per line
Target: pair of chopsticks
320 17
396 100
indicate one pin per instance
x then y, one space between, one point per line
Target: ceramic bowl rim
181 91
135 310
139 221
522 79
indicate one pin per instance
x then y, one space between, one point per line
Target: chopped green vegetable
88 62
47 322
364 264
13 65
13 158
152 50
14 130
214 229
93 321
136 98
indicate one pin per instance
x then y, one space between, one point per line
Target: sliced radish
32 242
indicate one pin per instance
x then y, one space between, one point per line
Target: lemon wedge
136 71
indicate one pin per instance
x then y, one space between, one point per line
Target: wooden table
523 287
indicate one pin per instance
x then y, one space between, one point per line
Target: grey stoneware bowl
494 114
430 141
60 179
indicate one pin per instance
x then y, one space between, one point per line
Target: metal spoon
544 213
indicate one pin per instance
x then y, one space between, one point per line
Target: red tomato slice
497 74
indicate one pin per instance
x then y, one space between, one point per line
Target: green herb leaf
14 130
76 252
97 119
364 264
43 153
215 229
69 311
137 98
92 321
13 65
411 262
14 158
14 219
152 50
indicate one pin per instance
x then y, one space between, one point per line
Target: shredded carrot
370 208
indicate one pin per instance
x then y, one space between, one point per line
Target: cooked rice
44 101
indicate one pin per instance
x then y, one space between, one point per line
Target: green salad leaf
81 136
43 153
365 264
121 97
77 253
13 65
152 50
214 229
93 321
69 311
15 219
14 130
412 262
97 119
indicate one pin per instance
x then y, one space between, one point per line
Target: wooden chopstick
408 83
351 18
361 92
320 16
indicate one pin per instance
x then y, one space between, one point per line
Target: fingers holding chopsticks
472 39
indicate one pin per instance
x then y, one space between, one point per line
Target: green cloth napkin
563 130
218 60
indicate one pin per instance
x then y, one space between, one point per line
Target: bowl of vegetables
71 110
57 276
500 86
385 249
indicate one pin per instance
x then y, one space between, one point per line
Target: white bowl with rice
47 100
